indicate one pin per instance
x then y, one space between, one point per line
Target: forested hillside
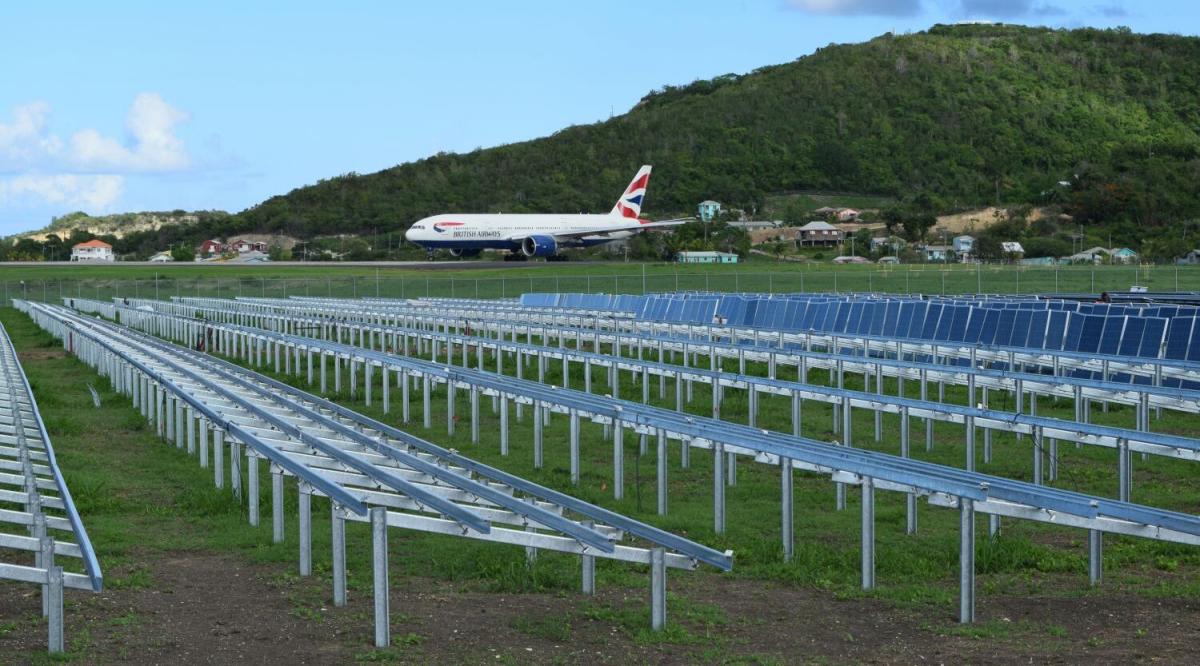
1102 125
966 115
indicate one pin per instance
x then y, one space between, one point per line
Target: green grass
916 572
138 494
759 274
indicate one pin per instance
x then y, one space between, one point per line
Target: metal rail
1045 360
1042 429
369 470
45 523
894 363
968 491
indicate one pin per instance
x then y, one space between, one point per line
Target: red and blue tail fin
630 203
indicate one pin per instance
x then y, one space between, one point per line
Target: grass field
145 503
465 280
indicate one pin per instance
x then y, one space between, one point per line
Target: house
820 233
93 250
964 247
846 215
1093 255
250 257
696 257
162 257
709 210
840 214
210 248
1012 249
937 253
1038 261
756 225
242 246
891 244
1123 256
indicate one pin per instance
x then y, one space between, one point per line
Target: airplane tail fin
630 203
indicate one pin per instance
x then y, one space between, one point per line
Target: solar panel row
1101 328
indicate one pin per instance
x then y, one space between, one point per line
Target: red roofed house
210 247
93 250
242 246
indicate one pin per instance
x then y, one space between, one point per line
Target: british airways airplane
466 235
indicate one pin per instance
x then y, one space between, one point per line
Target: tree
183 252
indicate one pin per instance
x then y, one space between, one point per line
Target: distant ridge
971 114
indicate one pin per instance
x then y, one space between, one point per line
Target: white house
937 253
242 246
93 250
964 247
1012 248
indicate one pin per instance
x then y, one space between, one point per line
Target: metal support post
379 567
658 589
966 560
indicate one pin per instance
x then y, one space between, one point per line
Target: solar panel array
1165 332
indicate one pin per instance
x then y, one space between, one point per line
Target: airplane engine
465 254
539 246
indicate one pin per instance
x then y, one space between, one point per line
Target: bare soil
204 608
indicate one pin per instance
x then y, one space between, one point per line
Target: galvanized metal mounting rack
968 492
369 471
45 527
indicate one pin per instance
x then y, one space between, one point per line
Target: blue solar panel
852 322
1131 339
974 325
878 317
1110 336
891 316
1152 338
1020 334
1179 334
831 312
1004 327
932 316
1037 329
1056 329
987 333
839 319
909 313
1090 332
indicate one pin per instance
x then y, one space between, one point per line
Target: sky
122 106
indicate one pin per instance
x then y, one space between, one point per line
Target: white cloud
861 7
88 170
26 139
151 123
96 193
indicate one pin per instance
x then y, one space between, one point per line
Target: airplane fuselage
473 231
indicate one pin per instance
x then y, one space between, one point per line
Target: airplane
537 235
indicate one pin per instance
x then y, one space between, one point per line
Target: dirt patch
41 354
203 608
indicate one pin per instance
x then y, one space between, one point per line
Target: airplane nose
408 235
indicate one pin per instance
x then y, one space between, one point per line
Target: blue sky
127 106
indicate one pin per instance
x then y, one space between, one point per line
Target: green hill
1103 125
967 114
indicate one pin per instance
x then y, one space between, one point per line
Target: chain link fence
924 279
